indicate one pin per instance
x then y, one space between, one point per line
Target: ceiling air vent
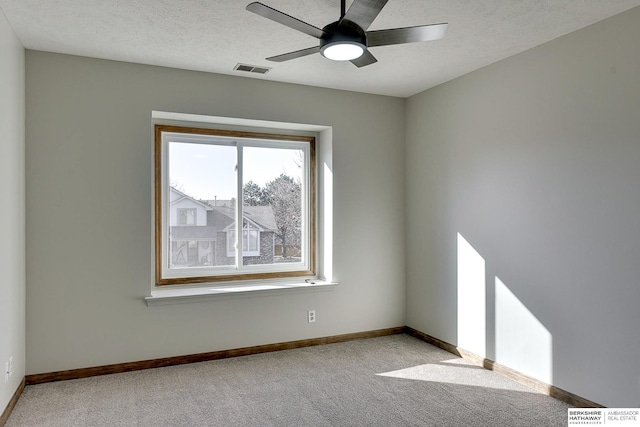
252 68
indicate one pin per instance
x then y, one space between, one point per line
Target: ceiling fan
347 39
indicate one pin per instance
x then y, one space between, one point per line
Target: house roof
181 196
262 216
219 202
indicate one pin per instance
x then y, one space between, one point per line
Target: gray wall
535 163
12 222
89 187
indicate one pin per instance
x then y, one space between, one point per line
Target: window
186 216
250 240
203 234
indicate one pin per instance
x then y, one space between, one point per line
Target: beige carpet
389 381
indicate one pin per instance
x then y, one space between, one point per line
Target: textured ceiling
215 35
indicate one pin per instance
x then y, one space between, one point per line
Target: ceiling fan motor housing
343 32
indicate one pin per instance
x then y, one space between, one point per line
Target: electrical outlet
10 366
311 316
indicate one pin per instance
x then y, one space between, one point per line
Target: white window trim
324 200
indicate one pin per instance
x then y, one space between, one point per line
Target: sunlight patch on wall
324 155
522 342
471 299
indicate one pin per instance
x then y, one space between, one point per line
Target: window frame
162 242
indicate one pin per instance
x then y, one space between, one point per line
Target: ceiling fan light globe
342 51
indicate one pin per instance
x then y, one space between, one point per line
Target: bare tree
284 195
177 185
286 200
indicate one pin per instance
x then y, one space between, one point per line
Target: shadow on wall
520 340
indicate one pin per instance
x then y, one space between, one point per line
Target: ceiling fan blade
284 19
294 55
421 33
364 12
366 59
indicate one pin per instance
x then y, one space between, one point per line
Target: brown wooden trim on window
233 133
157 201
160 281
233 277
312 206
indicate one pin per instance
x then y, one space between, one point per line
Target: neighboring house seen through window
203 234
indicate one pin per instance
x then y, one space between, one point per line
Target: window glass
272 197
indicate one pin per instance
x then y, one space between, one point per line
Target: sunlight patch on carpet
455 371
